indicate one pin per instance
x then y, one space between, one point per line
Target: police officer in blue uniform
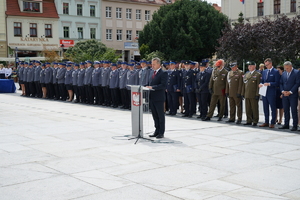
75 82
49 80
88 82
132 79
173 88
54 81
30 80
95 81
68 82
114 84
105 83
202 91
122 84
188 82
61 81
37 72
81 73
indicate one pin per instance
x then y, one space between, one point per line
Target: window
147 15
48 30
80 32
109 34
128 13
293 5
17 29
128 34
33 30
79 9
260 9
93 33
169 1
276 7
92 11
137 34
31 7
108 12
119 35
66 8
66 32
119 13
138 14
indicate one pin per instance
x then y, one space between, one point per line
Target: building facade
122 20
3 46
32 27
79 20
253 10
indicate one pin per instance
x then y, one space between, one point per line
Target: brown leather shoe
264 125
272 126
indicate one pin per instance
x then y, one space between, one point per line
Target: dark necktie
154 74
267 74
288 75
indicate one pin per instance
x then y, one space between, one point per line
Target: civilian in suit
173 88
270 79
157 97
202 83
289 83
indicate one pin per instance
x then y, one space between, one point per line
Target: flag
243 1
260 1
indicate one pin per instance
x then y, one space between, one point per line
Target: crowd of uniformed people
196 85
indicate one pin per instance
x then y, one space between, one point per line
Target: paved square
56 150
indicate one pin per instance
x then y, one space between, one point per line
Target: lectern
139 103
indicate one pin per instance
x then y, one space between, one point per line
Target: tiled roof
49 9
155 2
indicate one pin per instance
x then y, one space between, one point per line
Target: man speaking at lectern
158 82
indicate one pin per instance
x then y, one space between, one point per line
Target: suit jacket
37 73
122 78
273 78
88 76
290 84
159 85
80 77
188 81
68 77
96 76
174 81
75 77
61 72
114 79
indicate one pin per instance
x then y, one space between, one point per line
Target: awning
36 48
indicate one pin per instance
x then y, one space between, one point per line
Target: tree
50 55
278 39
187 29
155 54
90 50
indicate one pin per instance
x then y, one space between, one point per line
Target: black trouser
158 114
173 102
107 95
189 103
128 99
75 90
89 93
203 98
50 90
123 97
226 107
32 89
119 96
96 94
114 96
27 89
38 89
62 91
82 94
56 91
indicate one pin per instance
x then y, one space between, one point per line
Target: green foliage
187 29
240 20
144 50
90 50
155 54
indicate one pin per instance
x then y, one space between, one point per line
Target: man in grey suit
61 81
88 82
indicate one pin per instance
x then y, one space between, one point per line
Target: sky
214 1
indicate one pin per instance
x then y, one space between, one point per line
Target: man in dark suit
270 78
289 83
157 97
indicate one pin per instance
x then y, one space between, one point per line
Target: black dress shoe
295 128
206 119
230 121
238 122
153 135
248 124
220 119
284 127
190 116
199 117
225 116
254 124
160 136
184 116
216 115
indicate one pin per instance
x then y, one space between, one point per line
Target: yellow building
3 46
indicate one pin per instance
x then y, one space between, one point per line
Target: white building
78 20
253 10
32 26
